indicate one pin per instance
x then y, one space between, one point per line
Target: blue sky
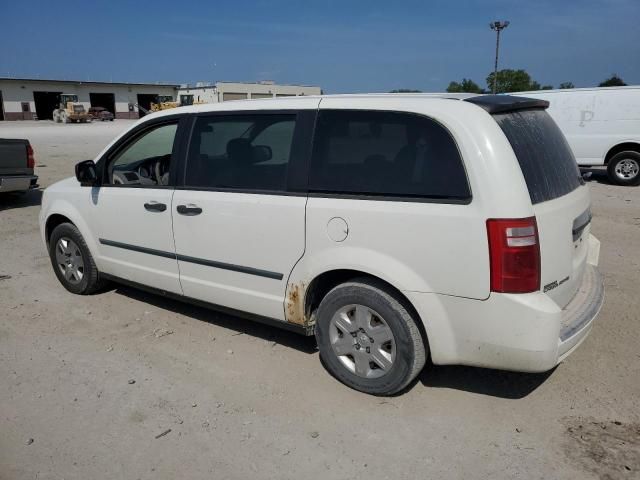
343 46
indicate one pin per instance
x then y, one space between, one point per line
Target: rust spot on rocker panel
295 311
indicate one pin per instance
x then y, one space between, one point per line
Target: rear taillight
514 253
31 160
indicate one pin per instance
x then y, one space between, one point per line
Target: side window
386 154
146 160
241 151
277 136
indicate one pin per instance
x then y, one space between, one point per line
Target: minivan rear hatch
560 200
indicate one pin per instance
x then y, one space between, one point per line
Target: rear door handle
155 206
189 210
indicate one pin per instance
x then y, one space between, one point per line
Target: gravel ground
127 385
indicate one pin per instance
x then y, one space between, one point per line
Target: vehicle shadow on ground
240 325
483 381
598 175
9 201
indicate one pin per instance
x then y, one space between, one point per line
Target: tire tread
611 168
94 282
420 345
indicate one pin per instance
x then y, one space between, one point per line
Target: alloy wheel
627 169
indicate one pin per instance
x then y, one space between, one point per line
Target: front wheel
72 262
368 339
624 168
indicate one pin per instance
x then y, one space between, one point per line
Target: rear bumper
525 333
18 183
578 315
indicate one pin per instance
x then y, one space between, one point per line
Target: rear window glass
546 161
387 154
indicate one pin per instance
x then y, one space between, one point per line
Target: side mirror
262 153
87 173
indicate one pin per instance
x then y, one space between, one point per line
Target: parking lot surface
128 385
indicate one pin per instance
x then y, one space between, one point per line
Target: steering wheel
144 171
161 168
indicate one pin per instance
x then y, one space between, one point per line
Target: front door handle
189 210
155 206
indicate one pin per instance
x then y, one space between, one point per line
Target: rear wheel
72 262
368 339
624 168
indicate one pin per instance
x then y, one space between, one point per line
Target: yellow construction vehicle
163 102
69 110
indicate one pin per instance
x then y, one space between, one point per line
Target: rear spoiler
506 103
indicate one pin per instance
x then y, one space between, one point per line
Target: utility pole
498 26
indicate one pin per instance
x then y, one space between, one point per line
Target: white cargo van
602 126
393 227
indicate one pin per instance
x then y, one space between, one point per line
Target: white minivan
395 228
602 126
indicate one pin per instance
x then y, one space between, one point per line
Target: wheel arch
52 222
61 211
621 147
324 282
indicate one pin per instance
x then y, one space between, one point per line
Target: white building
28 99
224 91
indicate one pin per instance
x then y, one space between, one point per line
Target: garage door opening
104 100
144 101
46 103
226 96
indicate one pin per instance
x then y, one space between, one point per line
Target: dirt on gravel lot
128 385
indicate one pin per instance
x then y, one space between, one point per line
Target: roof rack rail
506 103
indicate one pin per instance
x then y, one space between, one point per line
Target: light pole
498 26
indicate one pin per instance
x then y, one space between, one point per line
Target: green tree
613 81
405 90
513 81
565 85
466 86
536 86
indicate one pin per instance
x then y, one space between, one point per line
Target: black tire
90 281
410 348
624 168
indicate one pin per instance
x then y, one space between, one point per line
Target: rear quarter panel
421 246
